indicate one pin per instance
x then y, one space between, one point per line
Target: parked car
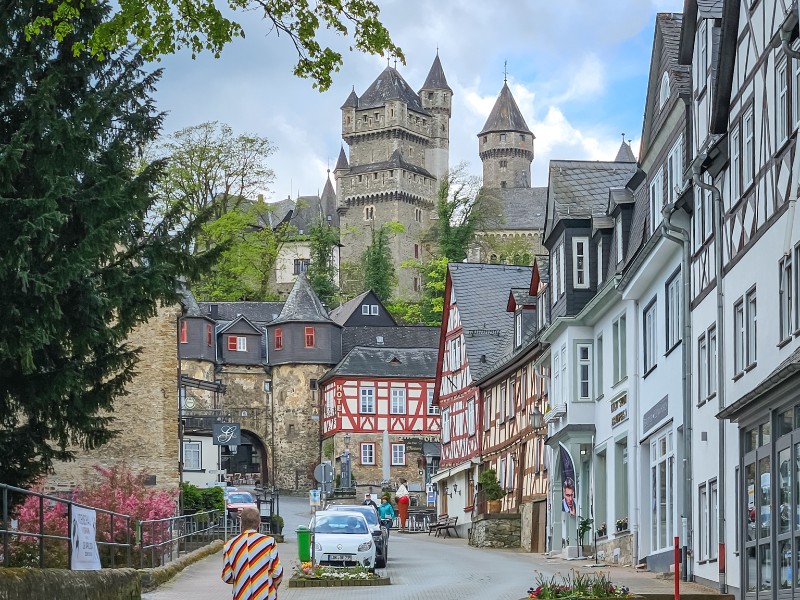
379 533
236 501
343 539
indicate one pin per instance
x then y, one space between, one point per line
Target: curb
297 582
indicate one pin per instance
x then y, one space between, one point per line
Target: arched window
663 94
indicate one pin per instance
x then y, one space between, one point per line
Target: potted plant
584 526
491 489
277 524
622 524
602 531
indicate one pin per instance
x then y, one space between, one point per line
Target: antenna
505 71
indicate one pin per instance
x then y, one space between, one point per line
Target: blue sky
578 70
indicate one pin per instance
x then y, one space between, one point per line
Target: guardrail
162 540
52 536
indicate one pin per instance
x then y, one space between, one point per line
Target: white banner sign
83 538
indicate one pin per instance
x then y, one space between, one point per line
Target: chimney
214 311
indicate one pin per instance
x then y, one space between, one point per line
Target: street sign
323 473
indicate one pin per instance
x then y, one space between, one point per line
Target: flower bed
576 585
308 575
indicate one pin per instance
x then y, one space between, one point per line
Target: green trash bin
304 544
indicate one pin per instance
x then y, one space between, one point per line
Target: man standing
250 561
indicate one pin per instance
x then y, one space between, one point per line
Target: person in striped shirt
250 561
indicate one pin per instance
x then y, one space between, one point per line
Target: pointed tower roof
505 115
352 100
302 305
436 79
625 154
341 162
390 85
328 202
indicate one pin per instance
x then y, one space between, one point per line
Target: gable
241 326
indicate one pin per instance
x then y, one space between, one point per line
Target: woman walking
402 503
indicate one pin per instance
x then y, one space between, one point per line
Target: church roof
341 162
352 100
390 85
505 115
625 154
302 305
436 79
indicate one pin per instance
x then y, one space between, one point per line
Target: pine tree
82 258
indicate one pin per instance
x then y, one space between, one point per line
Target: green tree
85 260
164 27
321 271
379 273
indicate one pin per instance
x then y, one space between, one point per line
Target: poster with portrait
83 538
569 488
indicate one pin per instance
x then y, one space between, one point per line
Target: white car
343 539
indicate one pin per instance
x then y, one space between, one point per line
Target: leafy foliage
428 311
202 499
576 585
85 259
321 270
490 485
164 27
379 273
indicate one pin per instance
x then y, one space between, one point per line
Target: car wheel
380 563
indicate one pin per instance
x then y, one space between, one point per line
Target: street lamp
537 418
347 438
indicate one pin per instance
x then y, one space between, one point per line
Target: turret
436 97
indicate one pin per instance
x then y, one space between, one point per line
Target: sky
578 70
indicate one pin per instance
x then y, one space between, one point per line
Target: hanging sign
226 434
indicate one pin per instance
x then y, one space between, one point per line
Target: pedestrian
402 503
250 561
386 513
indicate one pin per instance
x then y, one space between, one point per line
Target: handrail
166 534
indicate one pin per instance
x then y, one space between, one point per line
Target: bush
490 486
277 524
197 499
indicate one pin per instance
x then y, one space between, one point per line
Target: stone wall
496 531
146 418
617 550
46 584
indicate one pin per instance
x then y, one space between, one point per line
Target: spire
341 163
436 79
505 115
352 100
624 154
302 305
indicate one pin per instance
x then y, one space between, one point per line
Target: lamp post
537 418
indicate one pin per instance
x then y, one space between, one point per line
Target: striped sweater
250 562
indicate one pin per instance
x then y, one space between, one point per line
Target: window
748 148
584 352
673 310
656 200
432 408
365 309
501 473
237 343
562 286
502 137
712 361
796 87
373 310
662 481
518 329
618 235
556 378
368 454
554 268
702 511
599 365
650 342
750 308
398 454
713 511
663 92
398 404
599 262
736 165
503 165
512 398
301 265
446 426
619 341
738 337
369 211
785 300
209 334
278 338
367 400
455 353
782 116
416 250
580 262
702 369
675 171
418 215
184 332
309 337
502 402
487 411
702 54
511 473
471 416
192 456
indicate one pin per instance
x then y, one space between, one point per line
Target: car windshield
340 524
240 498
368 512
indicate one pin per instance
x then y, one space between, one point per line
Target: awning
440 475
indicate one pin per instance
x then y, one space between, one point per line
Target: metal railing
51 537
163 540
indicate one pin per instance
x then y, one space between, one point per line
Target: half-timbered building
475 330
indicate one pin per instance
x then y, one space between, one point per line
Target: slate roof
481 293
436 79
579 189
302 305
710 9
328 203
505 115
256 312
390 85
522 208
624 154
278 212
396 161
340 314
307 213
416 336
341 162
387 362
521 297
352 100
543 260
190 306
670 26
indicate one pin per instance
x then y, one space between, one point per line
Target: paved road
421 567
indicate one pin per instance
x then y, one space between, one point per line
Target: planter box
296 582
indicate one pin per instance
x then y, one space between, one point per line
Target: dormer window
663 93
518 329
618 234
237 343
599 262
580 262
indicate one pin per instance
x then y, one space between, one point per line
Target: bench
444 525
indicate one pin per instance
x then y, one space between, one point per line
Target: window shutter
232 343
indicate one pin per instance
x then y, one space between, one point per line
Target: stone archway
249 459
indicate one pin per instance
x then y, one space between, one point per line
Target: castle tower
505 145
390 132
436 98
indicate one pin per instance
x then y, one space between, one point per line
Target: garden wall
46 584
496 531
617 550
